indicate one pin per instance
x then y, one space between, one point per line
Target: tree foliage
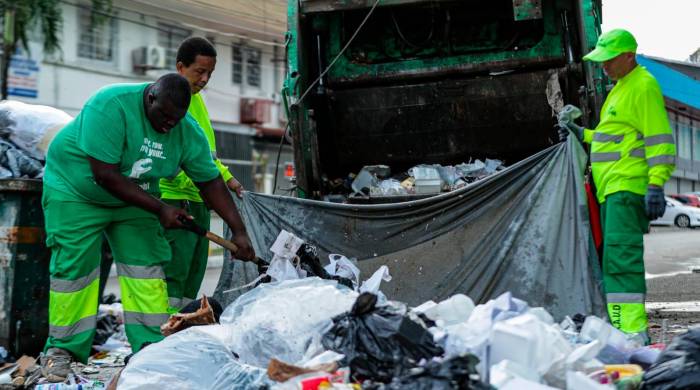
46 14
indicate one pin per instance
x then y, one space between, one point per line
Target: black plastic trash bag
678 367
106 326
455 373
309 261
379 342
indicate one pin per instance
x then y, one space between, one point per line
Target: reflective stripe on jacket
633 144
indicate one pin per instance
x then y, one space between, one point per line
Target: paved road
673 290
671 251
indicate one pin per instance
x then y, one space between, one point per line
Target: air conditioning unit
148 58
255 111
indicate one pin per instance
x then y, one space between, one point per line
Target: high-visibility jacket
632 146
181 187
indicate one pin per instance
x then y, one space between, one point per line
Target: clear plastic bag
388 187
196 358
278 320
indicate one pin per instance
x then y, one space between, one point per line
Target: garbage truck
405 82
399 83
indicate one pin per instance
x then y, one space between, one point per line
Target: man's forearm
108 177
128 191
219 199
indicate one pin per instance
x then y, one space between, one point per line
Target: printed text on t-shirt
152 149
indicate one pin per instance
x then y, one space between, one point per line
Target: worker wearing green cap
632 155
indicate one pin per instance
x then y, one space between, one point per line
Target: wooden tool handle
222 242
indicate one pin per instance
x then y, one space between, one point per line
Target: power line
287 127
230 11
241 36
221 9
352 38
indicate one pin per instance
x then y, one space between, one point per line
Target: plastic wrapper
343 267
368 178
310 264
472 169
279 320
678 367
28 125
196 358
379 342
388 187
452 311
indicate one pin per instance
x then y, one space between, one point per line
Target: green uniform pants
624 223
74 233
185 271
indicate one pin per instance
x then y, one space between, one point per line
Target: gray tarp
524 229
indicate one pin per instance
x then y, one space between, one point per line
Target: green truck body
431 81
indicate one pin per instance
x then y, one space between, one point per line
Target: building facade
680 84
138 42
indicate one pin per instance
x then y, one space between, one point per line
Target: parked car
679 214
687 199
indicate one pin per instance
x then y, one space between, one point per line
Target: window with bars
96 41
246 64
170 37
253 69
237 64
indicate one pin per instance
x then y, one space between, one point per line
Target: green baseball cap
611 44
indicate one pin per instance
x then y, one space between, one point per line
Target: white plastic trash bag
278 320
195 358
31 127
372 284
342 266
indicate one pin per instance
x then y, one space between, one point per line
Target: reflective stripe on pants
74 233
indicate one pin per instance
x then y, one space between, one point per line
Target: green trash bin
24 268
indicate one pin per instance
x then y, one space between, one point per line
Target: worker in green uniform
632 155
196 59
101 178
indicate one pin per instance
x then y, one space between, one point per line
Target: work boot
55 364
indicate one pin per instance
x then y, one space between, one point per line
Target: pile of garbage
306 326
302 331
377 181
25 133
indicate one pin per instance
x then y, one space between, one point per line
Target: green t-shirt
113 128
181 187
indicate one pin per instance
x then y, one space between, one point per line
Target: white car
679 214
